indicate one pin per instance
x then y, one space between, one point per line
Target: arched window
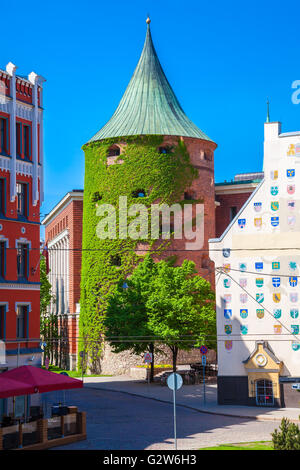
114 151
264 392
208 155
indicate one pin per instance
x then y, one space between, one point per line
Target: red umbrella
13 388
41 380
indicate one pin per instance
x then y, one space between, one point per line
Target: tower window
116 260
165 150
2 196
138 193
207 156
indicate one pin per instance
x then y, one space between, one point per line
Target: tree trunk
151 348
174 350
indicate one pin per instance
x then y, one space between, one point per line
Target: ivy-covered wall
163 177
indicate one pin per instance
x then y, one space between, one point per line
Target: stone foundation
121 363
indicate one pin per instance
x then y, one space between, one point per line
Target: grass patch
258 445
73 373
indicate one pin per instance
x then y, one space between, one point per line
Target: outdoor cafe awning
31 379
14 388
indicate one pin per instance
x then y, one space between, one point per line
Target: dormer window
114 151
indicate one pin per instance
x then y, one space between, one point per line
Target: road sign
148 358
174 381
203 349
296 386
204 360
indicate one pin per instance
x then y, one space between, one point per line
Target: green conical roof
149 105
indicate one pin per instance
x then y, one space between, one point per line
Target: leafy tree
180 308
173 305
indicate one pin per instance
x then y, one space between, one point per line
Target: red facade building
21 194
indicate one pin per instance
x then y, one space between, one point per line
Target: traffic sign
174 381
148 358
296 386
203 349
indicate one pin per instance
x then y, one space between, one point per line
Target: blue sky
223 60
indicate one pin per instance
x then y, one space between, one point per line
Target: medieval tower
148 152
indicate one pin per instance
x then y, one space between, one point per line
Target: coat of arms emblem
244 329
243 282
227 298
294 297
290 173
291 205
274 190
277 329
274 221
226 268
243 312
295 329
227 313
228 345
276 281
275 265
259 266
274 174
243 298
276 297
242 223
259 282
226 252
295 345
291 220
294 313
293 280
258 222
291 188
257 206
260 313
243 266
274 206
260 298
228 329
293 265
277 312
291 150
227 283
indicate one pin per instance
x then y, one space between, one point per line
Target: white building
257 262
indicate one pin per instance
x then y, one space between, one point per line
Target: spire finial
268 111
148 21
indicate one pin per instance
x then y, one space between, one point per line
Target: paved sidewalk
190 396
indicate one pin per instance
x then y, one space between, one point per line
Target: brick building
63 233
21 194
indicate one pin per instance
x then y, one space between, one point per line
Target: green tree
126 320
287 437
181 309
173 305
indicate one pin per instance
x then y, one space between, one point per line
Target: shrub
288 438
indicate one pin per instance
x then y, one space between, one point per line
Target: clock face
260 360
